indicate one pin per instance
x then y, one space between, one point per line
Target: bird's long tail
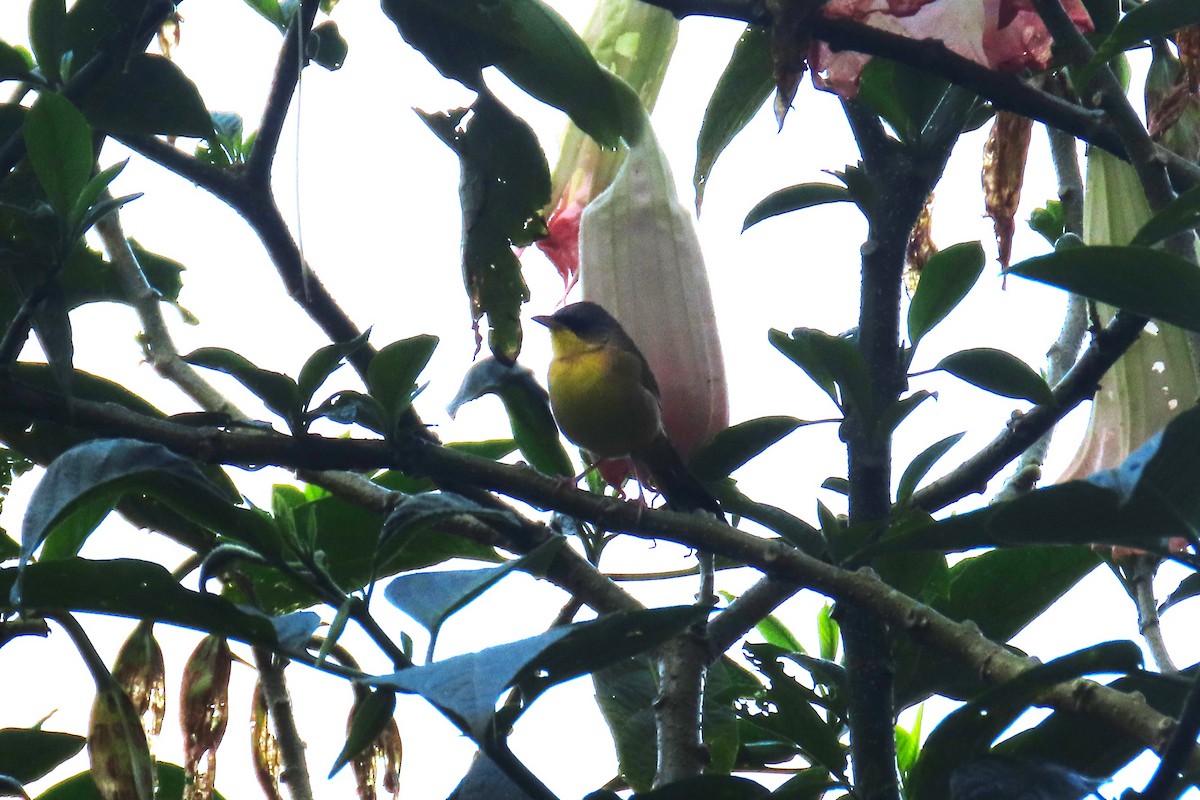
673 479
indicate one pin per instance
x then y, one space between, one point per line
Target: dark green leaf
1077 742
904 96
278 392
969 732
431 598
353 408
528 408
101 210
135 589
465 688
321 364
1146 21
505 183
921 465
1188 587
896 413
109 467
272 12
807 784
776 633
91 192
793 716
531 44
150 96
14 63
833 362
945 281
794 530
327 47
794 198
392 374
743 87
59 141
1001 591
47 26
72 531
53 328
485 779
1149 282
170 786
732 447
708 787
1104 14
997 776
372 713
27 754
625 694
998 372
1181 214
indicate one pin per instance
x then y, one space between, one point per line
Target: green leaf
828 632
321 364
355 554
150 96
793 717
921 465
1181 214
945 281
47 28
998 372
372 713
272 12
327 47
92 191
904 96
1146 21
59 141
625 694
15 64
465 688
431 598
528 408
504 184
53 328
794 198
1049 221
532 45
732 447
169 786
1149 282
136 589
833 362
1188 587
772 629
1078 743
392 374
28 754
969 732
278 392
743 87
109 467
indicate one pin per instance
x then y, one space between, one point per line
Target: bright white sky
380 220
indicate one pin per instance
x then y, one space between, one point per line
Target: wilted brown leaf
204 714
140 672
268 767
121 765
1004 157
920 246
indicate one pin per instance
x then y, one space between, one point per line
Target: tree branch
994 662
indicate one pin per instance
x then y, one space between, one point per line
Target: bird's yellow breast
599 399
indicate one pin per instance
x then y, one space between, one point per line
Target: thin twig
291 747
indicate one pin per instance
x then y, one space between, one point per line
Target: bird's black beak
548 321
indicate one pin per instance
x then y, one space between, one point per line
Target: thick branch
994 662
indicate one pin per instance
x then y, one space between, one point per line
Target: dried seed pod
140 672
1188 41
1003 174
378 764
920 246
268 766
121 764
203 714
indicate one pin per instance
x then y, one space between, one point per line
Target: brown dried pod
140 672
1188 41
1003 174
203 714
920 246
122 768
268 766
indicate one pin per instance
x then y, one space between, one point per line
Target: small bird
605 400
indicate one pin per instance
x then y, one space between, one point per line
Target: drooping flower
1005 35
